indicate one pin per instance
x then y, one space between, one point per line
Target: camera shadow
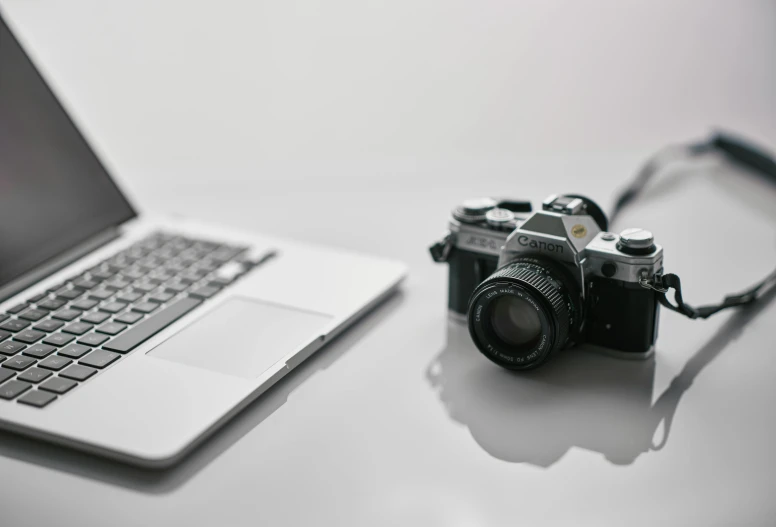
579 399
168 480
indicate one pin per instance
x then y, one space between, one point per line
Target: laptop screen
54 192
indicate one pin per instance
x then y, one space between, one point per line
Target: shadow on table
164 481
580 399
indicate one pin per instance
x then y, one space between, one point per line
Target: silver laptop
133 337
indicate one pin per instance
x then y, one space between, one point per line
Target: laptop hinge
55 264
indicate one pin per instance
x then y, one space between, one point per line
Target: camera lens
525 311
515 321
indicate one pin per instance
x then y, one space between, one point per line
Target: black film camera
531 283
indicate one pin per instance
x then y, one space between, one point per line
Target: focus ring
528 271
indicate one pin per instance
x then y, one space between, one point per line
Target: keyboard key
133 273
37 398
52 303
136 253
56 287
145 287
112 328
113 307
77 328
152 325
13 389
116 283
99 359
118 265
3 316
101 294
204 292
83 283
145 307
149 263
206 245
49 325
210 265
123 258
176 287
11 348
4 335
18 308
129 297
33 314
225 253
93 339
34 375
154 280
75 351
37 298
96 318
175 267
85 304
67 314
188 280
58 385
28 336
14 325
194 273
55 362
19 363
130 317
58 339
160 275
161 298
101 274
70 294
40 351
77 373
5 375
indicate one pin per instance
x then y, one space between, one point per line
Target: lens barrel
524 312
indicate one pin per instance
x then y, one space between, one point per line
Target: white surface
359 125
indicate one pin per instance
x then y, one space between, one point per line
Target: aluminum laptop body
163 396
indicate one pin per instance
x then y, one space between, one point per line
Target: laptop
134 337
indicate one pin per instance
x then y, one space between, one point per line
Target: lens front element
515 321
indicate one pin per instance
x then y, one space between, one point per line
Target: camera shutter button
500 218
636 241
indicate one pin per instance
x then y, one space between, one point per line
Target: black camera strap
736 150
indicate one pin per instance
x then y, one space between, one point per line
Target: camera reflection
581 399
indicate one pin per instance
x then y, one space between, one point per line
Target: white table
360 126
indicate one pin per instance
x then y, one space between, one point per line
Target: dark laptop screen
54 192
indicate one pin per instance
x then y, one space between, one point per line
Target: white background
360 124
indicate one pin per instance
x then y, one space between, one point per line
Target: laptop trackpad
242 337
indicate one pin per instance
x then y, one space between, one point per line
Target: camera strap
736 150
664 283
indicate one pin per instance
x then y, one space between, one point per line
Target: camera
530 283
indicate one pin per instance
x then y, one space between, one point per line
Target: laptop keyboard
61 338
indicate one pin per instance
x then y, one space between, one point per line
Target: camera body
531 282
